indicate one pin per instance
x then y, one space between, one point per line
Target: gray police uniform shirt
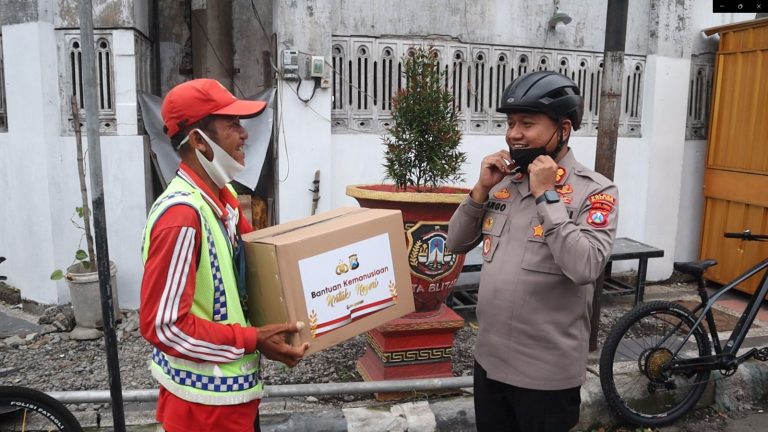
540 263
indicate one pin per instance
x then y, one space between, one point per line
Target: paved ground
14 321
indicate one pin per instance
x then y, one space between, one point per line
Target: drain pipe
288 390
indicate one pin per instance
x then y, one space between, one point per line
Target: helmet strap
560 142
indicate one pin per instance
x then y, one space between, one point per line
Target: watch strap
548 196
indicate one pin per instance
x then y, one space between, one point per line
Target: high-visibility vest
216 299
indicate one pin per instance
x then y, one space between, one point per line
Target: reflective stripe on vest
206 382
212 382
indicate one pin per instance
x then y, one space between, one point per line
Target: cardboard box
341 272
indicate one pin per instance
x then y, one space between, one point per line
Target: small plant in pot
82 276
422 145
422 156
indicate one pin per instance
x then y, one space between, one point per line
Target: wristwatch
549 196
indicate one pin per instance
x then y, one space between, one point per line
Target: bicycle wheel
633 364
25 410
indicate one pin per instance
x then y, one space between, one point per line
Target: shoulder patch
602 201
597 218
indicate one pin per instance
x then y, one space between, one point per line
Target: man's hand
272 343
542 173
493 169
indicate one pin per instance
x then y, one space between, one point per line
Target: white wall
30 161
39 182
664 114
691 209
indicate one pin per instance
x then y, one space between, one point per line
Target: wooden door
736 175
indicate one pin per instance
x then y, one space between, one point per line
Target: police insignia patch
597 218
501 194
487 243
538 231
602 201
488 223
560 176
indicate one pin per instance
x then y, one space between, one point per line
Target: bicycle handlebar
747 235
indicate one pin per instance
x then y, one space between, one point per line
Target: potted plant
82 275
421 155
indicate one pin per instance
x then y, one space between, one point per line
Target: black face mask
524 156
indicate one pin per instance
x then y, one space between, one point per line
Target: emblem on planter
428 255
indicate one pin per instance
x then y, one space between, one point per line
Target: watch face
551 196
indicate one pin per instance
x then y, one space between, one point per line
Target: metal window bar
72 84
476 75
104 74
104 82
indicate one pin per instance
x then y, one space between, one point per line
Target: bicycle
657 359
23 409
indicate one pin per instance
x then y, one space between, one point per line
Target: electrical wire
281 126
263 29
314 87
327 119
216 54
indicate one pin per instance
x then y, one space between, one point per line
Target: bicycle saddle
694 268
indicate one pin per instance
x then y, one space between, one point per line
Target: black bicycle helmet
546 92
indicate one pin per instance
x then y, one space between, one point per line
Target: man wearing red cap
206 353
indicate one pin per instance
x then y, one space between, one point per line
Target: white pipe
289 390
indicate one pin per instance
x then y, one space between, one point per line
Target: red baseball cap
191 101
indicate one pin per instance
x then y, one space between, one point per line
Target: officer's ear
565 128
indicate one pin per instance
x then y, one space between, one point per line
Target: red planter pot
434 269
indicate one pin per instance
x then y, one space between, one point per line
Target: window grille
699 96
3 110
367 73
72 81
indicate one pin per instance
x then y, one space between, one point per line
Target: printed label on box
348 283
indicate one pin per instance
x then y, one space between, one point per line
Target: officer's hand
493 169
541 174
273 345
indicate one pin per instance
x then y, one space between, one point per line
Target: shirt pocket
537 255
493 224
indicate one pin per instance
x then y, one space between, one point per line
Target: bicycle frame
725 357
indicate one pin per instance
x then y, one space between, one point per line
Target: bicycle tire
24 409
632 364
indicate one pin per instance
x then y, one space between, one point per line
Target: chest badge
560 175
487 243
564 190
538 231
501 194
488 223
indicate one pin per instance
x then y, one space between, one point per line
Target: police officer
546 224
